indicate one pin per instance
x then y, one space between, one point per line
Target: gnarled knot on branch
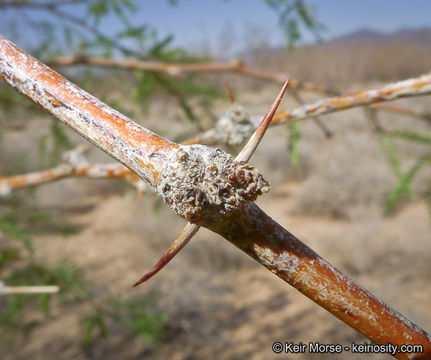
200 182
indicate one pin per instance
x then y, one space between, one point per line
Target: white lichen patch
234 127
199 182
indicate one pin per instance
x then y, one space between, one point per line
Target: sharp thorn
230 93
248 150
185 236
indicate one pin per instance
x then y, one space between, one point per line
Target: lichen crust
199 182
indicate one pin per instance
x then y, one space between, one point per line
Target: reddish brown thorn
230 93
248 150
188 232
140 196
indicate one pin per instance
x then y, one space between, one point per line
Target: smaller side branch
317 120
94 171
174 69
411 87
74 165
393 108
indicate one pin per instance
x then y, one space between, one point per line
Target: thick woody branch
254 232
204 185
233 128
193 180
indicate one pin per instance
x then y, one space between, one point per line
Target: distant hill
364 55
420 36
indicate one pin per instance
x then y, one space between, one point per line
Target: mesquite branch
175 69
411 87
184 176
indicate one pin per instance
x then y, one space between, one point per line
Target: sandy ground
219 304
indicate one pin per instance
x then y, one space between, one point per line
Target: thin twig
65 170
371 116
320 124
93 29
185 177
37 5
14 290
393 108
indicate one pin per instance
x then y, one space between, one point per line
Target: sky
207 25
194 20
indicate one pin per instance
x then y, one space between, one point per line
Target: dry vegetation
344 65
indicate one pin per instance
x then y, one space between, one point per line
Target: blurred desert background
212 301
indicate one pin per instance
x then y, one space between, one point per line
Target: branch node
200 182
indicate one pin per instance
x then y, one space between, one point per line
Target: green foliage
53 145
293 15
9 99
100 8
9 226
428 197
293 142
32 273
19 267
411 135
141 317
94 323
138 315
18 220
404 186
